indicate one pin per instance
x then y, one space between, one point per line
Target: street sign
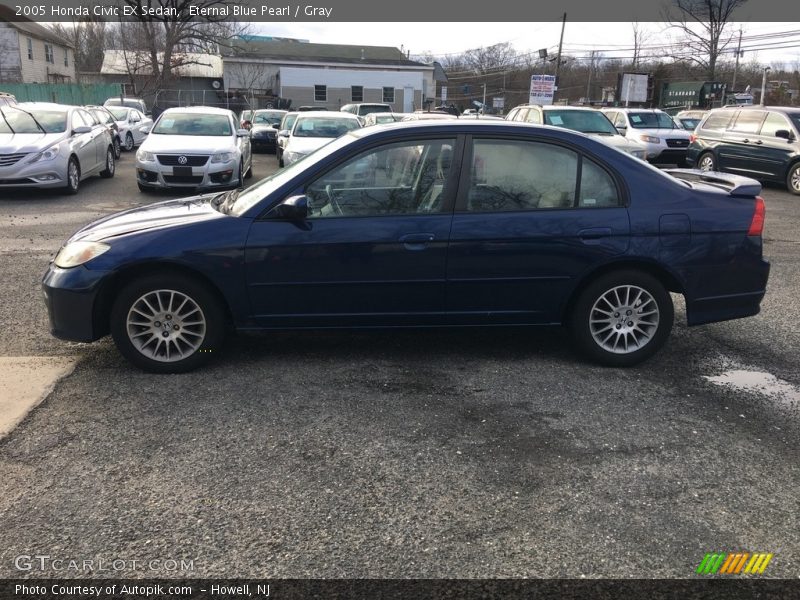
542 89
498 102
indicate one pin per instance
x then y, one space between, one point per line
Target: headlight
78 253
222 157
649 139
144 156
48 154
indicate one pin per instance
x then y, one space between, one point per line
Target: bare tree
250 77
10 67
702 24
640 37
490 58
88 38
169 40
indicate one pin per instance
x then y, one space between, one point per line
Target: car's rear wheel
707 162
117 148
73 176
793 179
167 323
111 163
622 318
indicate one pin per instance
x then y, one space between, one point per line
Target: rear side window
717 121
748 121
774 122
519 175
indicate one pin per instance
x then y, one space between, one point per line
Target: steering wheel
334 203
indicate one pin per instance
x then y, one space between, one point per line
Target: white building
31 53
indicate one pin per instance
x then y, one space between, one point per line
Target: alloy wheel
624 319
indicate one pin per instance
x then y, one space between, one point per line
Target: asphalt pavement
435 454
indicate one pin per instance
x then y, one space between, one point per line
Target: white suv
655 129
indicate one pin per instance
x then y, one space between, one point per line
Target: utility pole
560 44
589 80
736 65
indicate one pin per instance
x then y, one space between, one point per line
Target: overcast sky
579 38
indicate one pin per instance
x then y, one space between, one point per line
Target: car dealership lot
492 453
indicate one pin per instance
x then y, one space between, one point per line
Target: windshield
795 120
17 120
651 120
120 114
128 103
267 118
585 121
256 193
324 127
193 124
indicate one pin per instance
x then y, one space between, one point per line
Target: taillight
692 138
757 224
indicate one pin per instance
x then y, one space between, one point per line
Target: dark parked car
264 129
761 142
464 223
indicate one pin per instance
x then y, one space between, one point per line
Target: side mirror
621 128
294 208
80 130
145 130
283 133
785 134
243 133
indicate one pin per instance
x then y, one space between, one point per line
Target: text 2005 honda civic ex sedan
459 224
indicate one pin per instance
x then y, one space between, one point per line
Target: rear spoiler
735 185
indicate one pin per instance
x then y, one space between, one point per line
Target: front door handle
417 241
758 142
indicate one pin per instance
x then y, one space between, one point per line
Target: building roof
293 51
30 28
122 62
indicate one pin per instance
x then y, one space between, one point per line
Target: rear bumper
735 305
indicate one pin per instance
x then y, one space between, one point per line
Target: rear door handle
417 241
593 234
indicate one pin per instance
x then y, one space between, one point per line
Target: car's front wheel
167 323
73 176
707 162
622 318
129 142
117 148
793 179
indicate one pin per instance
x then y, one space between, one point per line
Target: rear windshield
366 109
651 120
129 103
120 114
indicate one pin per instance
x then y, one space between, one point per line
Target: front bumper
41 174
210 175
73 298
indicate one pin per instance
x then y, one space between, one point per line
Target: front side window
320 93
388 94
404 178
509 175
718 121
357 93
77 121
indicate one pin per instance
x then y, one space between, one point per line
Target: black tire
129 143
709 160
249 173
647 337
280 162
208 340
111 165
117 147
793 179
73 176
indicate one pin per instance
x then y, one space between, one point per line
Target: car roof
556 107
629 109
50 105
200 110
272 110
468 126
331 114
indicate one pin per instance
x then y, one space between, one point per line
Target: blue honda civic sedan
422 224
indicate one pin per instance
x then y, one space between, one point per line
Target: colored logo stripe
733 563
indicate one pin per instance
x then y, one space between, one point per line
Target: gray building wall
338 97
